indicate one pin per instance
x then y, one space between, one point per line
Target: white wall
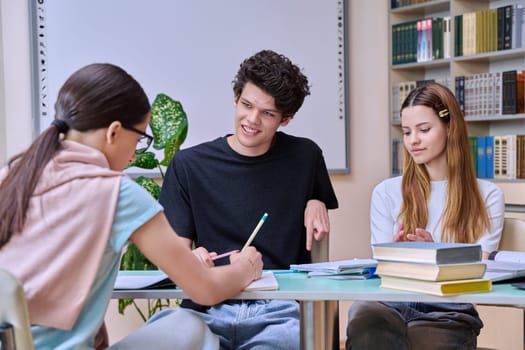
2 96
368 104
369 133
15 79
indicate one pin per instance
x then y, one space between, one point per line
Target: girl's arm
204 284
382 224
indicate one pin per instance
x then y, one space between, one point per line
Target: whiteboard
191 51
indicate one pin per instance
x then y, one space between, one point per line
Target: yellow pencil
255 230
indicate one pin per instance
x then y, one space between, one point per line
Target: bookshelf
477 57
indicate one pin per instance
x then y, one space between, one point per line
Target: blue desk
319 298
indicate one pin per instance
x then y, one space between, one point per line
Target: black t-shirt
215 197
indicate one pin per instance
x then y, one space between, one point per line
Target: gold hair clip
443 113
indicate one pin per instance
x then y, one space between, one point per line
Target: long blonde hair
465 217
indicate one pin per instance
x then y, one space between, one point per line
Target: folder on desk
143 279
340 269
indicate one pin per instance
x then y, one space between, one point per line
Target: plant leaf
168 123
149 185
123 304
145 160
174 146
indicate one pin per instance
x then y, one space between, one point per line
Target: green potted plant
169 125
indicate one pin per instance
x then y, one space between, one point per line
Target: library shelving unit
445 69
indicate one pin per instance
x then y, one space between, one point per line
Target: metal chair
15 329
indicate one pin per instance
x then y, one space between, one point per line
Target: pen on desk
223 255
255 230
278 272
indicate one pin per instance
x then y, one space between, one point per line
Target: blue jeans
255 324
169 329
376 325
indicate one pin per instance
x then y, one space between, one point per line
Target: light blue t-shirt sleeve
134 208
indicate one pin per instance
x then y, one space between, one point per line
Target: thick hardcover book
438 288
430 272
473 141
501 27
428 252
447 40
509 96
520 91
411 42
481 157
505 157
437 38
458 35
507 27
493 29
520 156
396 37
516 25
510 154
489 154
497 92
460 91
498 158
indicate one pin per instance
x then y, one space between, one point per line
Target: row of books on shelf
402 3
445 268
479 95
494 156
491 93
401 90
499 156
421 40
488 30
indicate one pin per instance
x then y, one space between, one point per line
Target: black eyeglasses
144 142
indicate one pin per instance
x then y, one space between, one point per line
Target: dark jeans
399 326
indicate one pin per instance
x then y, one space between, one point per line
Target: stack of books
433 268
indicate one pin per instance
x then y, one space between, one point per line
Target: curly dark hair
278 76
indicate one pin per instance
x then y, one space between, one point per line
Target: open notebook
266 282
156 279
505 265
